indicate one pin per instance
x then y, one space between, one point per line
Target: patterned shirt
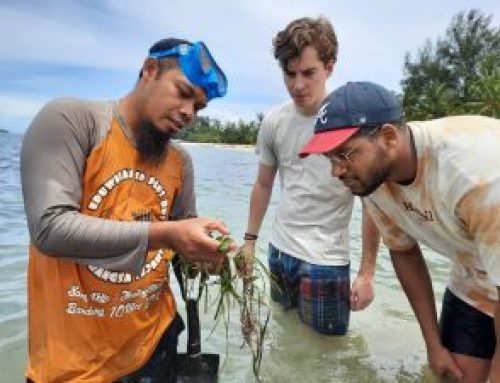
453 205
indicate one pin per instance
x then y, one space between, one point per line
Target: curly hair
302 33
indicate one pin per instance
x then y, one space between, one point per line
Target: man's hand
191 238
361 292
443 365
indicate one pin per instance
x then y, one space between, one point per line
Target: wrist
159 235
366 272
432 344
250 236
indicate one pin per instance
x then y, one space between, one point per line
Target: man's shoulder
78 104
286 108
85 118
282 116
456 124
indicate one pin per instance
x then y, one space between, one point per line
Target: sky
94 48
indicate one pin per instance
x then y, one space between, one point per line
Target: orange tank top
89 324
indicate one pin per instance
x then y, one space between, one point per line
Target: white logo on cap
362 120
322 117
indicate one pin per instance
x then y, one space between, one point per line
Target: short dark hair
167 62
302 33
164 44
371 131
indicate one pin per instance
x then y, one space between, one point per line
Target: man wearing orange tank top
108 199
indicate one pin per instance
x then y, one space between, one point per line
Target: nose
187 111
338 169
298 83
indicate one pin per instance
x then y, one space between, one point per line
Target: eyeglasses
198 65
346 155
341 157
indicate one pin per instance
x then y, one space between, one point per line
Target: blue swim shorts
320 293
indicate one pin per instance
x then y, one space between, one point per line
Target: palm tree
435 100
485 91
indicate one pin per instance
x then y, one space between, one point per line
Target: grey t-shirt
312 221
53 156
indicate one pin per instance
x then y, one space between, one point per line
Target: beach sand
238 147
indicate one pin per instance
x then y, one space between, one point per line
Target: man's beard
151 142
377 178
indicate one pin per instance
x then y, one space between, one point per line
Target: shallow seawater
383 344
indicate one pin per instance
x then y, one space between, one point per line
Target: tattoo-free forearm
370 237
260 197
413 275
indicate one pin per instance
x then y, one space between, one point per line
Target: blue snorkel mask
198 66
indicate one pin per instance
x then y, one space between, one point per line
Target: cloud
93 48
64 35
20 106
16 112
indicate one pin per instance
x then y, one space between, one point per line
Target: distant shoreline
3 130
218 145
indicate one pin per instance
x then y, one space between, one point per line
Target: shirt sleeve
265 147
392 235
53 157
184 205
479 214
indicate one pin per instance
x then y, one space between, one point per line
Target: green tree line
459 73
206 129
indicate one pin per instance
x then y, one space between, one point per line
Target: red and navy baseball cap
353 106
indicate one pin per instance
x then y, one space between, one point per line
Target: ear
390 135
149 68
329 66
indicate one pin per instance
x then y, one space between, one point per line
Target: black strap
176 264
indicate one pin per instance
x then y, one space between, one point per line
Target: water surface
384 342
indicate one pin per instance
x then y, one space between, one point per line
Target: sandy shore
220 146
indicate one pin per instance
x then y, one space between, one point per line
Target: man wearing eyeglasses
436 183
310 240
106 193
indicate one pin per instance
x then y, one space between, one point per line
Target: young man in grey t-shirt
309 244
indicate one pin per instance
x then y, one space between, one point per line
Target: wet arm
259 202
362 290
260 197
413 275
370 237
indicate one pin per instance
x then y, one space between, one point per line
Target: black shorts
466 330
161 365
